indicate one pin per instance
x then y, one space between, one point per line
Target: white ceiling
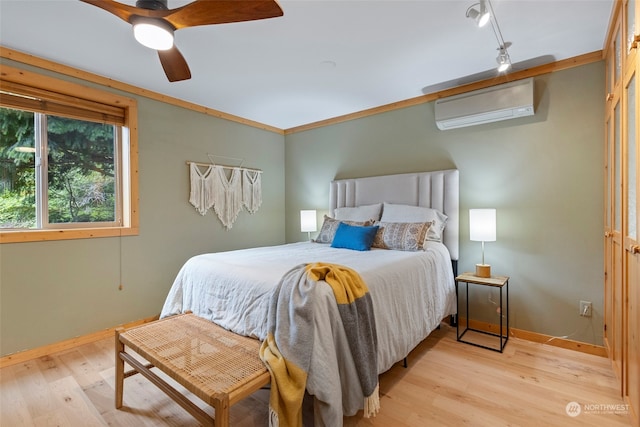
321 60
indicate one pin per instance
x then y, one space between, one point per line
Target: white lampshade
308 221
482 228
482 225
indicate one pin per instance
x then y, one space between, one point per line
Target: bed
411 291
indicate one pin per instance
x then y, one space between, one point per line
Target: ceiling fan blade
206 12
120 10
174 64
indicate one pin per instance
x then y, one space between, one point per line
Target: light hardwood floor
447 383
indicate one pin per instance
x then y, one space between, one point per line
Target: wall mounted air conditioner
507 101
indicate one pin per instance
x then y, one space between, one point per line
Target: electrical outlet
585 308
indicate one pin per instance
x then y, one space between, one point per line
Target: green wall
543 174
53 291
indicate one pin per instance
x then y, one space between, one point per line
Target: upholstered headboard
438 190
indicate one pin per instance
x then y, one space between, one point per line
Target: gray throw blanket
289 345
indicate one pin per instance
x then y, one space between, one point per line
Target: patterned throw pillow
329 227
402 236
406 213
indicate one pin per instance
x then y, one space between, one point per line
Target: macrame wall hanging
211 187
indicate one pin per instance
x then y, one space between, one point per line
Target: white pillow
360 213
407 213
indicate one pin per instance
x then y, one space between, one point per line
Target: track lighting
484 15
481 16
153 33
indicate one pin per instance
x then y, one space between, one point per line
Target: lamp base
483 270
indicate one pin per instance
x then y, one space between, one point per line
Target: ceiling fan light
153 35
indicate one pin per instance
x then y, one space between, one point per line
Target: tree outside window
74 183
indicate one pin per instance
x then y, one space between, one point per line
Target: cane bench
214 364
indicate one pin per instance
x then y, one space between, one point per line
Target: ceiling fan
154 23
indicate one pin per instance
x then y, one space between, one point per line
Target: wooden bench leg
221 405
119 369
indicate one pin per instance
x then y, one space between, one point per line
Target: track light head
504 62
482 15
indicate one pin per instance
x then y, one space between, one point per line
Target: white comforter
411 293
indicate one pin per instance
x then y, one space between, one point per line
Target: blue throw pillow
354 237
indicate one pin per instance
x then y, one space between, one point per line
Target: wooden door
616 244
622 183
631 262
613 326
631 248
631 278
609 307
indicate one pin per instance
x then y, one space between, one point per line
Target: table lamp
308 221
482 228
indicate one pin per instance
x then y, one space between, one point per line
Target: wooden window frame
84 95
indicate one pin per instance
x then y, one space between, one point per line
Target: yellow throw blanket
289 344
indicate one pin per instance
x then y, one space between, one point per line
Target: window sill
23 236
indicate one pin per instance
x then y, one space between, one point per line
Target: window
57 172
67 160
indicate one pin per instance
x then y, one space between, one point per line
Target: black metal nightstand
501 282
